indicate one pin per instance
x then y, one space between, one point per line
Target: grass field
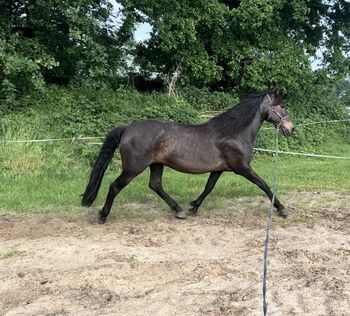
58 191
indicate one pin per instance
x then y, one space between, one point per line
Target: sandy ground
54 265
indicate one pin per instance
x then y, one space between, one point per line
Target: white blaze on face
285 122
288 125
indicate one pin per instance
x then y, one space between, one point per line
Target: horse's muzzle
287 128
287 131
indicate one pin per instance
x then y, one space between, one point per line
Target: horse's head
276 113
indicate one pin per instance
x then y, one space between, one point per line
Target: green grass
12 252
58 191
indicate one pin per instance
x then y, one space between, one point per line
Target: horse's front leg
213 178
248 173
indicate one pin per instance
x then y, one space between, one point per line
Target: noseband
282 118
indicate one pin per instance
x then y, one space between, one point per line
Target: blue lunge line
264 287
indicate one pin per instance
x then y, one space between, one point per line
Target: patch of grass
59 191
10 253
49 177
85 291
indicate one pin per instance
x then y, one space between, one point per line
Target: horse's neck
251 131
245 134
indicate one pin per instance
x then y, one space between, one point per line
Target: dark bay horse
224 143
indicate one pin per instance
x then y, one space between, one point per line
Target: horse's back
146 132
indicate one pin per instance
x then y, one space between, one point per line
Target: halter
282 118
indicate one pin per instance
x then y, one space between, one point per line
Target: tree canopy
57 42
245 45
228 45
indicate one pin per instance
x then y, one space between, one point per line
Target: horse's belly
193 165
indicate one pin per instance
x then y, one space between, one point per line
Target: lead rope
264 287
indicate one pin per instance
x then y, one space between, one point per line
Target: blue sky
142 30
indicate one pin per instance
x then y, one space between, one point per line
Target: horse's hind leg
213 178
155 183
120 183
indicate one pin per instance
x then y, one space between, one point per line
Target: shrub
72 112
63 113
203 99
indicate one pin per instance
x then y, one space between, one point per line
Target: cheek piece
282 118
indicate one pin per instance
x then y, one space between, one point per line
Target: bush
321 104
203 99
73 112
64 113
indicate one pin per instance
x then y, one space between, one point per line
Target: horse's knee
113 189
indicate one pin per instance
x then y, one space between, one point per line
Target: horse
224 143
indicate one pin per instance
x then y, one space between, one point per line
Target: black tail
106 154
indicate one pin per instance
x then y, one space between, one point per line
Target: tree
343 92
58 42
243 45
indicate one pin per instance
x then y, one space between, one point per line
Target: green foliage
177 25
203 99
236 46
243 45
20 64
58 42
343 91
94 112
321 104
73 112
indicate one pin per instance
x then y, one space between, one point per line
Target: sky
142 31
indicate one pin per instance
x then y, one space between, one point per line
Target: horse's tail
105 156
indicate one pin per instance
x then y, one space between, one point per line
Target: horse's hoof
101 219
193 211
181 215
282 213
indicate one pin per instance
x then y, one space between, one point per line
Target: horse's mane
236 119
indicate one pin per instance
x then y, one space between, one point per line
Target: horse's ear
277 96
277 91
